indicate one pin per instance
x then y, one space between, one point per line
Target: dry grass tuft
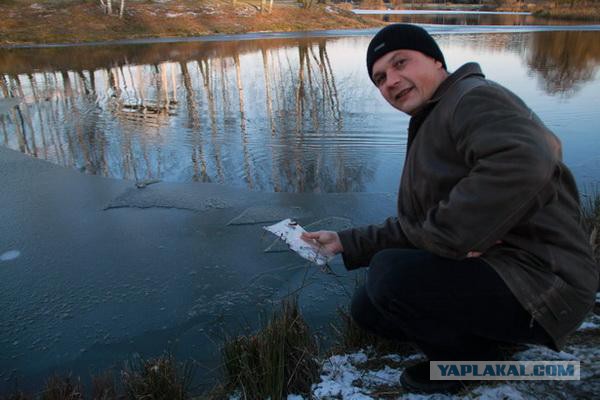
17 395
158 378
591 215
278 360
351 337
62 388
104 387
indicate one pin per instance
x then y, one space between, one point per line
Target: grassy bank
578 11
76 21
62 21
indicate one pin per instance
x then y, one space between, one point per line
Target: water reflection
473 19
285 115
564 60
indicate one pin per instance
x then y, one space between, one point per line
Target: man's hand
327 240
475 254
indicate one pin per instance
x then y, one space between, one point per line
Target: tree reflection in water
564 60
113 113
274 115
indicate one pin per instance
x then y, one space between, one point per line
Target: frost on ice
289 231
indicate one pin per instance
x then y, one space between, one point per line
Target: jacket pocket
555 300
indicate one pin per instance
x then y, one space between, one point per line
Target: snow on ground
367 376
345 377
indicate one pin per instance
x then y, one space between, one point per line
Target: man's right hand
328 240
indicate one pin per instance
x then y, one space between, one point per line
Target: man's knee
384 275
362 310
393 281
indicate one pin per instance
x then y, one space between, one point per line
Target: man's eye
379 80
399 62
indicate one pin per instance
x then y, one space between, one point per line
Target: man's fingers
311 238
310 235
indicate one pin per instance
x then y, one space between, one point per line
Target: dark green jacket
481 168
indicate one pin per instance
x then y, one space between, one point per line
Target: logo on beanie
381 46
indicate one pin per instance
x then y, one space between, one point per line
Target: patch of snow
438 396
10 255
500 392
331 10
541 353
338 375
387 376
294 397
173 15
590 361
37 6
588 325
398 358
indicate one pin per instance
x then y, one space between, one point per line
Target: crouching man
487 246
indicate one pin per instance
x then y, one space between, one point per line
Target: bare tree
107 7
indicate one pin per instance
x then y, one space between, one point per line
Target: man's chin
405 108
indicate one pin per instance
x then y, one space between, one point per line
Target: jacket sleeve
512 158
361 244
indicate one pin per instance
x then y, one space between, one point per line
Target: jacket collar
468 69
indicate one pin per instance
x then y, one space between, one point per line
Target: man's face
407 78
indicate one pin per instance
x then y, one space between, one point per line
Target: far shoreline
84 24
434 29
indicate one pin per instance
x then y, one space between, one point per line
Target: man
487 246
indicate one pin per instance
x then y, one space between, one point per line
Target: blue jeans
453 310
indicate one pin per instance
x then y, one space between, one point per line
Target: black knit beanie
402 36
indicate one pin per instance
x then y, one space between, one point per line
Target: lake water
278 114
275 113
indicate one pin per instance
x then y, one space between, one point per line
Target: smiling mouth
403 93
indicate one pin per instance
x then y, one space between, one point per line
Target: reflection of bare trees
130 120
268 98
205 70
564 60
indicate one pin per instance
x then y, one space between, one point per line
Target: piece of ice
289 231
10 255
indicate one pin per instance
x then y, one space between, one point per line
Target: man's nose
393 78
